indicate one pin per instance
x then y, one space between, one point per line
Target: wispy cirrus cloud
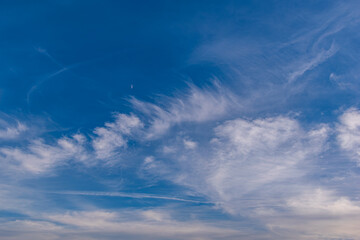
248 155
245 167
10 132
194 106
255 168
261 152
311 63
261 169
12 128
39 156
113 135
106 142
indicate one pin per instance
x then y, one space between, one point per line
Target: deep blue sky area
109 46
179 120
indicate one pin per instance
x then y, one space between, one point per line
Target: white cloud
149 160
154 215
29 230
189 144
168 149
11 131
315 214
132 224
114 135
197 105
320 202
258 159
142 223
349 133
39 157
250 155
321 228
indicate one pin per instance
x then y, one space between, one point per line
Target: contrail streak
128 195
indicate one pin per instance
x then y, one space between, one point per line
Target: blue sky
179 120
